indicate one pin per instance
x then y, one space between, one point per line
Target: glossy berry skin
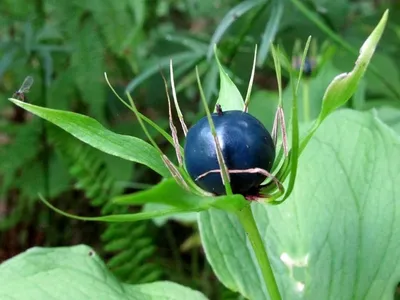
245 144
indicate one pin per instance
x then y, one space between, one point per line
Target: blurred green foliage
68 45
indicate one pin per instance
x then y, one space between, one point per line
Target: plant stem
247 220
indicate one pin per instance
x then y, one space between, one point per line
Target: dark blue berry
245 144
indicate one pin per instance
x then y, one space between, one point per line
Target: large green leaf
390 116
337 236
76 273
93 133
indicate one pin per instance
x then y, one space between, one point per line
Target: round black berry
245 143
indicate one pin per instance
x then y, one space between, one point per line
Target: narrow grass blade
143 117
279 116
190 42
221 161
270 31
232 15
178 110
345 45
343 86
136 112
126 217
189 78
172 126
171 167
248 94
294 151
161 63
175 173
303 59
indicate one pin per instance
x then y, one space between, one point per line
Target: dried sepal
178 110
279 120
279 115
175 173
143 117
172 126
252 170
290 169
274 131
248 94
171 167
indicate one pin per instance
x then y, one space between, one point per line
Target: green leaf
93 133
232 15
229 96
210 85
176 201
161 63
314 18
166 192
270 31
76 273
188 218
169 211
345 85
169 192
87 62
336 236
116 23
390 116
62 93
6 60
188 41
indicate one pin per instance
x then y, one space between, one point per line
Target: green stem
247 220
306 101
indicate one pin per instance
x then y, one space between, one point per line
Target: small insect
26 85
219 109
